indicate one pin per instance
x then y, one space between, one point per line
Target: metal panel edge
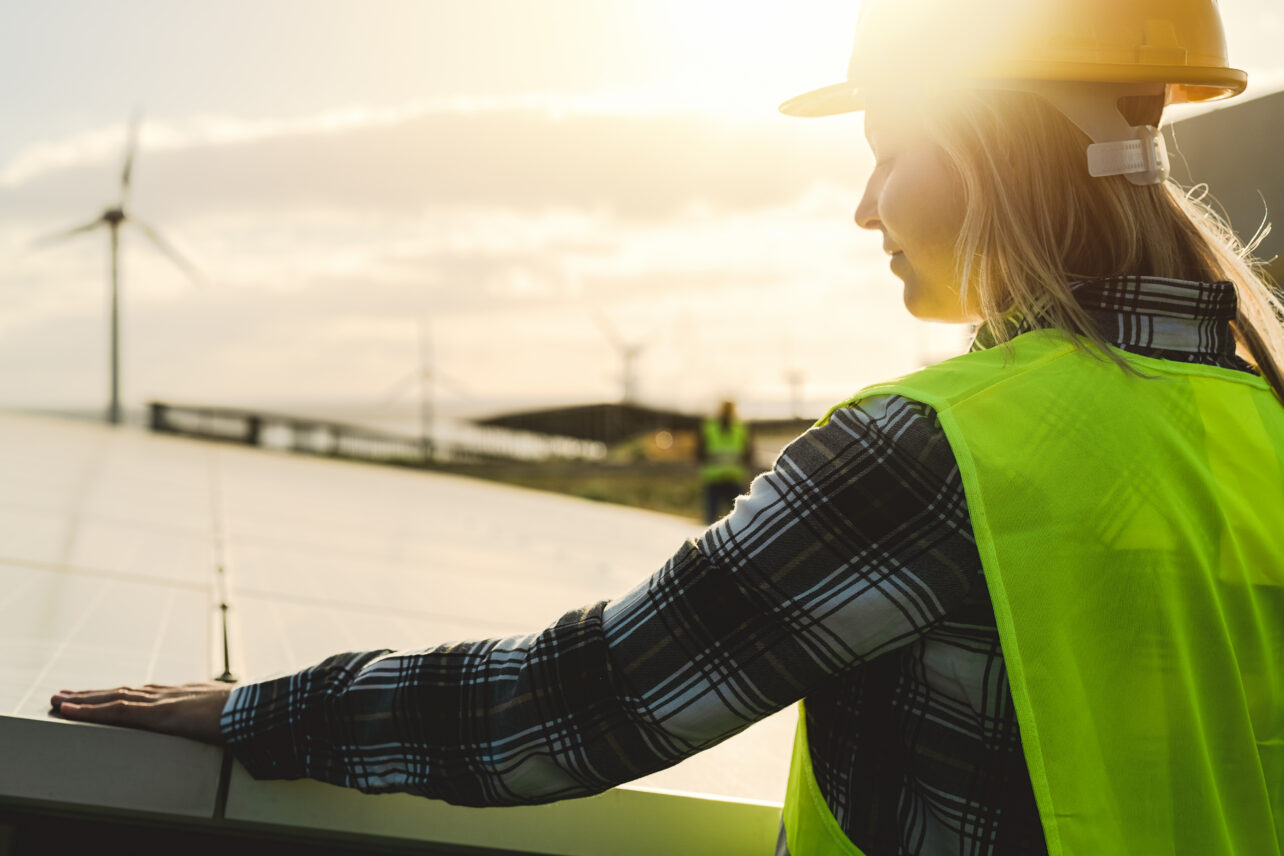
622 821
77 765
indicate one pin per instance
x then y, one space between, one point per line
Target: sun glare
733 57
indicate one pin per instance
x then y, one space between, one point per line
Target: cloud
633 166
509 319
324 240
169 134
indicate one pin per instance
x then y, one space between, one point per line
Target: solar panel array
117 548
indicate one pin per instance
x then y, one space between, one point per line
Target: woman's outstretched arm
855 544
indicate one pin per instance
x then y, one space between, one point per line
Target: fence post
158 416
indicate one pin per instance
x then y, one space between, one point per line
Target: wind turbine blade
654 333
452 384
608 329
173 254
58 236
398 389
131 146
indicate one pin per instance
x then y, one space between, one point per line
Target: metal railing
330 438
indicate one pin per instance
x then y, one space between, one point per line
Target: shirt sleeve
855 543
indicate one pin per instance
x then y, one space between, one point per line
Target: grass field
670 488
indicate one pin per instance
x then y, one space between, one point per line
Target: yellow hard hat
1177 43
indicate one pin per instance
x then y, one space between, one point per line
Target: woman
1031 596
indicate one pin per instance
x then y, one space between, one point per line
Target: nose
867 209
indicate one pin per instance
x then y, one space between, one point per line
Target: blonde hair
1024 242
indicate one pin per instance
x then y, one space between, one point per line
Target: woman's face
915 199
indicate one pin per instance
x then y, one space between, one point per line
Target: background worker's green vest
725 451
1131 530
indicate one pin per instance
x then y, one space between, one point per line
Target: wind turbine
629 354
795 378
113 218
423 377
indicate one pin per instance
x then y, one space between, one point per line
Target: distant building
663 434
601 423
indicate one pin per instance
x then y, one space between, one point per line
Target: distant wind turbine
424 378
112 218
795 378
629 354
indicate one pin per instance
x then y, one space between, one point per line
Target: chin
916 305
924 308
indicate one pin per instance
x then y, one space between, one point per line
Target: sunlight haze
507 171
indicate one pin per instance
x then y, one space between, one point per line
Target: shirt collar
1149 313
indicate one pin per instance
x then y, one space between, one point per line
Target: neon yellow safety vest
725 450
1131 531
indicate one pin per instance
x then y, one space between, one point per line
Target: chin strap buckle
1143 160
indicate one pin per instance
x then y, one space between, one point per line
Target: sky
536 185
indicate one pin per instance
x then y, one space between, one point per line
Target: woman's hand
190 710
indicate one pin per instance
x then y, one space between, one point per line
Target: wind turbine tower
795 378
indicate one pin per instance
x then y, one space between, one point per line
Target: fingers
145 693
100 696
114 706
116 712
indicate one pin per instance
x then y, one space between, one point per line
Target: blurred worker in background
1033 596
725 452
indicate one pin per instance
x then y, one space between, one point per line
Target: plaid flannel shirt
847 575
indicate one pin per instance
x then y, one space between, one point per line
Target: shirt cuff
288 727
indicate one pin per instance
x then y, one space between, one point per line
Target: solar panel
117 548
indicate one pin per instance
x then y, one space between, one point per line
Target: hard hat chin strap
1118 147
1143 160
